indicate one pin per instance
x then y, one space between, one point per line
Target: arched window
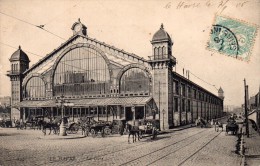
81 71
135 80
156 53
35 88
163 52
160 51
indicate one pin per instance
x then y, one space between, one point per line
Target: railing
9 72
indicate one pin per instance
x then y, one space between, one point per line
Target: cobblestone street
193 146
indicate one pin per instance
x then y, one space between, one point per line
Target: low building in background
5 101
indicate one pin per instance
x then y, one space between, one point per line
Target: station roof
128 101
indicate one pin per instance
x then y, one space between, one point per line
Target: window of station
189 106
156 53
189 91
35 88
183 105
135 80
81 71
176 104
194 93
177 87
183 90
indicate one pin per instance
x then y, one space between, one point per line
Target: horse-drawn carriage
90 126
149 127
5 123
117 126
201 122
232 126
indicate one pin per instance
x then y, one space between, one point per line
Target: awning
87 102
112 101
35 104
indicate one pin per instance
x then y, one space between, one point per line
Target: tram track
134 148
199 149
128 146
113 146
183 146
164 148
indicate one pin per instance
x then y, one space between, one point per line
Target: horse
52 125
201 122
132 130
218 125
39 124
19 124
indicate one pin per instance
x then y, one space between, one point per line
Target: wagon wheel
107 131
93 132
75 129
72 130
68 130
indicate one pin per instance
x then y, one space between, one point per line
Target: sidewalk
252 148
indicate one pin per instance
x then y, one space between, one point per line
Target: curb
176 129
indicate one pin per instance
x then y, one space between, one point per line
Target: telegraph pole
159 105
246 113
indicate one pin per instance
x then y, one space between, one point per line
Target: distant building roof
220 90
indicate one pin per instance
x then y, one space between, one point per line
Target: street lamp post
163 111
62 103
133 110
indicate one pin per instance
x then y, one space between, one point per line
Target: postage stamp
232 37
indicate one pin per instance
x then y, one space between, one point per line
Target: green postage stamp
232 37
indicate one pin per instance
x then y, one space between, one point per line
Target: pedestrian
216 125
240 122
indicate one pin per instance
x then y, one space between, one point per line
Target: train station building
99 80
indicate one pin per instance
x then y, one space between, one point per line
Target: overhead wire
54 18
199 77
204 80
37 26
54 59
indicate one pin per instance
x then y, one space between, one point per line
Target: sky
130 25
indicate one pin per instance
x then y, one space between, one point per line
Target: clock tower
79 28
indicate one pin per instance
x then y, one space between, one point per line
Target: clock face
77 27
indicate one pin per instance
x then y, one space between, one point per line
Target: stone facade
124 86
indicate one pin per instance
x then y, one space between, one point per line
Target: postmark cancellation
232 37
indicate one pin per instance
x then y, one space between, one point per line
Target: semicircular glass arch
81 71
135 80
35 88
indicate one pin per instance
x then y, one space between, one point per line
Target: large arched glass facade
35 88
81 71
135 80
